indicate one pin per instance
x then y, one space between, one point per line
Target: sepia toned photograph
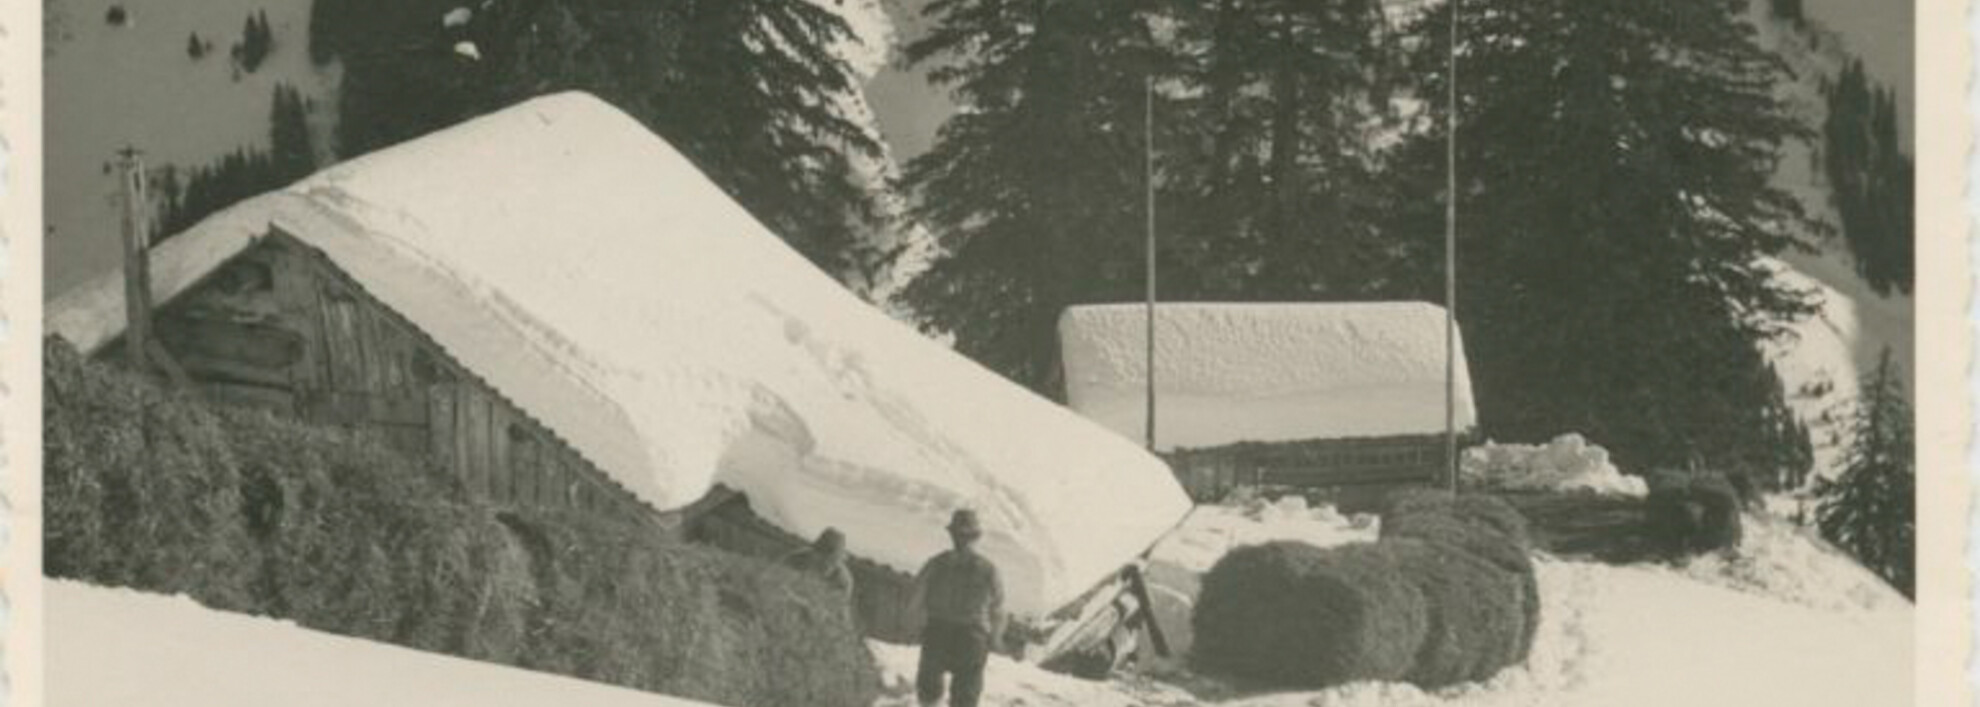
1019 353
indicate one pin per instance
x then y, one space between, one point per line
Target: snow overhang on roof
592 275
1228 372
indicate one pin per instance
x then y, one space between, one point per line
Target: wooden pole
137 273
1450 257
1148 169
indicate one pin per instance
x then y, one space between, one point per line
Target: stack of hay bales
245 511
1447 595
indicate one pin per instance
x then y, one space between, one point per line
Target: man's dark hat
964 523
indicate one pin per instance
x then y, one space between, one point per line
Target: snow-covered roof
591 274
1227 372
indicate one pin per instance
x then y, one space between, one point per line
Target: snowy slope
107 87
1227 373
110 646
1788 623
592 275
1822 363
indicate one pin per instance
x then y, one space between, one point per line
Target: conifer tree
1615 160
1870 509
1035 190
1288 94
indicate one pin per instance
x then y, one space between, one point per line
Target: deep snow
1787 622
1568 463
592 275
1228 373
113 646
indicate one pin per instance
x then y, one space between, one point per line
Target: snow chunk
457 17
468 49
112 646
593 276
1229 373
1568 463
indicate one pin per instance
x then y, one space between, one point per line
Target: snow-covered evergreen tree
1870 510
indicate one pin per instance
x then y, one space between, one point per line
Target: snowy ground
1787 622
123 647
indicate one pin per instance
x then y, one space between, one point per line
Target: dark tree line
1871 178
1614 200
186 197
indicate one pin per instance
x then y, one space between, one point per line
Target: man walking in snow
963 602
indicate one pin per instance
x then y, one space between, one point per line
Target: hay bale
1693 512
1476 613
626 605
139 486
1488 528
1294 615
1484 511
253 512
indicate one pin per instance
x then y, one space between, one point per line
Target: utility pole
1450 255
1148 170
137 243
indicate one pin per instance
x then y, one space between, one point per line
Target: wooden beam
137 276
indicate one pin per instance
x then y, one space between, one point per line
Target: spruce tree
290 152
1870 509
1035 190
1870 178
1286 96
1615 211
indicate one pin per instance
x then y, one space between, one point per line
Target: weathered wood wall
1209 474
281 327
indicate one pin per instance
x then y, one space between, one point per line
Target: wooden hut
554 304
1302 395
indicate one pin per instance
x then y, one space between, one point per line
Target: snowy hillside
1822 364
123 647
109 86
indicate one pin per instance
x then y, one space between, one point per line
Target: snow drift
123 647
1227 373
1568 463
588 272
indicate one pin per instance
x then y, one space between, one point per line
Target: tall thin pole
137 241
1148 171
1450 255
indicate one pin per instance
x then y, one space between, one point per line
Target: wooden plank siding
281 327
1209 474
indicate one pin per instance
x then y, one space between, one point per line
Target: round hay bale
1477 529
1476 613
1294 615
1691 513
